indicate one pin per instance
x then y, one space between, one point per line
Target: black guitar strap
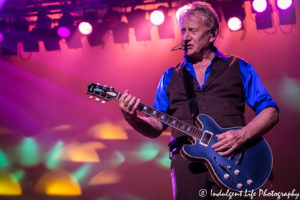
176 144
189 90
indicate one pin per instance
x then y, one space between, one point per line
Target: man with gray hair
206 82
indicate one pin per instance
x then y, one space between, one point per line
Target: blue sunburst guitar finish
246 169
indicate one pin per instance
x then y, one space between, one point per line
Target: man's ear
213 35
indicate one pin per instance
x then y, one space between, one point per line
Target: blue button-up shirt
256 96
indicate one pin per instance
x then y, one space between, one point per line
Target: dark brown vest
221 97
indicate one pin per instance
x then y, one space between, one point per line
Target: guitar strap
176 144
189 90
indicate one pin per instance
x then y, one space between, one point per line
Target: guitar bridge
206 137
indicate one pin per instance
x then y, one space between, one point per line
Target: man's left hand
229 141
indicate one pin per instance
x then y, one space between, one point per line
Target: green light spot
118 158
82 172
165 161
148 151
28 152
19 175
3 161
53 156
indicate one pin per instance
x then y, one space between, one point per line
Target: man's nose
186 36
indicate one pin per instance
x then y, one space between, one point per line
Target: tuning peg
91 97
103 101
97 99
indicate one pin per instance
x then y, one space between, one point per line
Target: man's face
195 35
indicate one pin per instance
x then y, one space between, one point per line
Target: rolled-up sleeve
256 95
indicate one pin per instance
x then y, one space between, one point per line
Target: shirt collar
220 55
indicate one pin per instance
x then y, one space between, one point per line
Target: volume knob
226 176
239 186
236 172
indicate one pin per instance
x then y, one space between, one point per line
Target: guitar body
247 169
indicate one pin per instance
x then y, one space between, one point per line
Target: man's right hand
128 105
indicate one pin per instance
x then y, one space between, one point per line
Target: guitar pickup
206 137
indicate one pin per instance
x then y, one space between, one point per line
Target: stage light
157 17
234 24
82 172
142 26
284 4
286 12
112 20
58 183
148 151
259 5
29 152
66 25
74 41
63 32
1 37
85 28
9 185
3 160
234 14
263 14
47 34
53 156
120 33
31 41
97 36
12 34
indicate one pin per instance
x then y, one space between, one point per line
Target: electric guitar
246 169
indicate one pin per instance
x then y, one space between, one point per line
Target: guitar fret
178 124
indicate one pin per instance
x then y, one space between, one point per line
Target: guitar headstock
104 92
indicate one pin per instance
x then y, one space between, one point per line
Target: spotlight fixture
85 28
97 36
263 13
166 28
157 17
259 5
66 25
10 38
234 14
142 26
286 12
120 29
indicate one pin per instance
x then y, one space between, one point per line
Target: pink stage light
1 37
259 5
85 28
234 24
284 4
63 32
157 17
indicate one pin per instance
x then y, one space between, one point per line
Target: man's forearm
262 123
145 125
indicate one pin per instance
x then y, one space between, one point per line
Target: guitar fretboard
169 120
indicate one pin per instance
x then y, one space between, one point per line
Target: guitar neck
169 120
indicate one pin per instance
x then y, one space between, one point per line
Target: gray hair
210 17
